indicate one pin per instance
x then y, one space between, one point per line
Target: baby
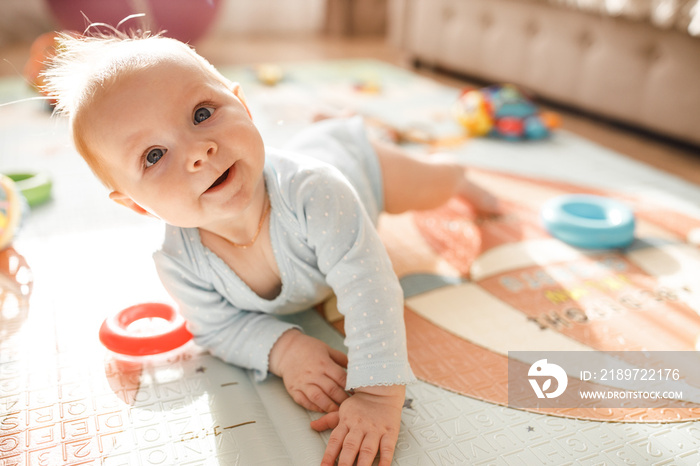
253 231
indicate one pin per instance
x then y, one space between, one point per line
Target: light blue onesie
326 195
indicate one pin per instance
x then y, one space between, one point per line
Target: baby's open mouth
220 179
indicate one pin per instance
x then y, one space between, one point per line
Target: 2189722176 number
639 374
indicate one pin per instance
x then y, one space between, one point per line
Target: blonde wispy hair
86 66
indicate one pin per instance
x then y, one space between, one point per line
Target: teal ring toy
35 187
589 221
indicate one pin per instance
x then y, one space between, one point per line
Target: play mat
476 289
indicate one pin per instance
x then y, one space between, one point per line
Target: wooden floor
681 160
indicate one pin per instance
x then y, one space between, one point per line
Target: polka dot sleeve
357 267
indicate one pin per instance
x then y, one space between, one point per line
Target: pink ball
185 20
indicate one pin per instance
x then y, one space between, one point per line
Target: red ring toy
115 336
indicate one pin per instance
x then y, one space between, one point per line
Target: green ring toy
35 187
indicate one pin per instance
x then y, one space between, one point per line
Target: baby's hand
368 422
312 371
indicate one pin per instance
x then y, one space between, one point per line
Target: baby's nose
202 153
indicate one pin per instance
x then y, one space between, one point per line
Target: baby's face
177 142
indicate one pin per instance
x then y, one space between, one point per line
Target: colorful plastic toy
589 221
503 111
12 210
16 278
117 336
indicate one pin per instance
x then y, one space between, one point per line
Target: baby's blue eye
153 156
202 113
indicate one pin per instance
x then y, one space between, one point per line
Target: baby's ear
238 92
126 201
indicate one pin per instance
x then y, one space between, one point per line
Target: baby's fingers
339 357
386 449
351 447
329 421
336 393
368 450
335 443
302 400
325 398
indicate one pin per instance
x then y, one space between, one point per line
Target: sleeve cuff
369 375
262 362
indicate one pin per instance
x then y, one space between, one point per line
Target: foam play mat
483 294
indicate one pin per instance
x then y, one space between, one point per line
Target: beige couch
626 69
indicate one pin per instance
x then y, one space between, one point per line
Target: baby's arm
313 373
239 337
358 269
